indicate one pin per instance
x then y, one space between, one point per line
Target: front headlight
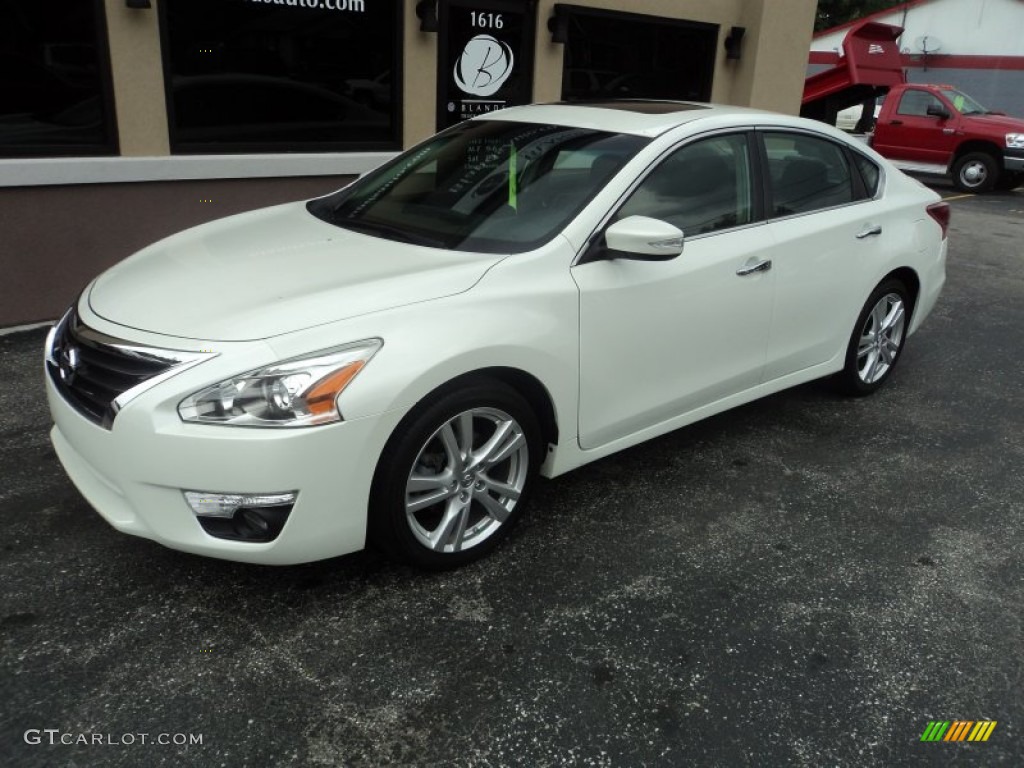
1015 140
300 392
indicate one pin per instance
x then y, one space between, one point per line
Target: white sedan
524 293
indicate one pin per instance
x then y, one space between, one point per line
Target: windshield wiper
388 231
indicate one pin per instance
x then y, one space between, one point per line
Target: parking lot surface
807 581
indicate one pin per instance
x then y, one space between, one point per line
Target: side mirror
935 110
643 239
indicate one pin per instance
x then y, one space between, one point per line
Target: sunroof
640 106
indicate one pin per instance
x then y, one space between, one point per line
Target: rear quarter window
870 174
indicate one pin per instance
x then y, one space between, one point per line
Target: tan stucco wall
419 80
774 65
138 77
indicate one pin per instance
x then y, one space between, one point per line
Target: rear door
827 229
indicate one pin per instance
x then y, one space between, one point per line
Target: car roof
648 118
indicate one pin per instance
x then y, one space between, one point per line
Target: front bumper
134 473
1013 160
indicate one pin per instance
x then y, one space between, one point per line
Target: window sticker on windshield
958 102
513 193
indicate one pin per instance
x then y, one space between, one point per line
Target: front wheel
877 340
975 172
454 476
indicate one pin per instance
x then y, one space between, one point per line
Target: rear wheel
975 172
455 475
877 339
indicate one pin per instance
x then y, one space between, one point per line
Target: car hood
271 272
998 122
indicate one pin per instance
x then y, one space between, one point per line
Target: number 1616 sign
485 57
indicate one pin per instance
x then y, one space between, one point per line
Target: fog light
253 517
205 504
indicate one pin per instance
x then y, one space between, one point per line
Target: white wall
962 27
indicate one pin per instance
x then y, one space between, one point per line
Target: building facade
123 121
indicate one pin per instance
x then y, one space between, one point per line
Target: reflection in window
53 89
247 76
704 187
807 173
915 103
489 185
632 56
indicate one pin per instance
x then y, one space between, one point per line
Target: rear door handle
761 266
895 122
875 230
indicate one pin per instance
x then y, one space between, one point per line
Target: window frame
858 188
278 148
594 248
109 148
916 92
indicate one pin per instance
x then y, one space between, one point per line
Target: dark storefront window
295 76
630 56
55 87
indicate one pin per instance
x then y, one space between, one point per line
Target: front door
660 339
912 135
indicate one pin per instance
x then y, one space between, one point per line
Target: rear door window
806 173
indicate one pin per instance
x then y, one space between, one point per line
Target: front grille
91 371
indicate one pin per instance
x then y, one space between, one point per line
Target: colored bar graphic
958 730
935 730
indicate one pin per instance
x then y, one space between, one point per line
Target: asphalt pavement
805 581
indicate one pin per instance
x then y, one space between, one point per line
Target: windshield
491 186
964 104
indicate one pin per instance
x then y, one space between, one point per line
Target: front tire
877 340
454 476
975 172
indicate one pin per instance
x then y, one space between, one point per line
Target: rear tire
454 476
877 340
975 172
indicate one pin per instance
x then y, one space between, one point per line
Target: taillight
940 212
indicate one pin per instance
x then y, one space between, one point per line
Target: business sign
485 57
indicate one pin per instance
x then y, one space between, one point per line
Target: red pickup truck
924 128
939 130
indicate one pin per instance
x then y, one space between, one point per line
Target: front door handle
761 266
895 122
875 230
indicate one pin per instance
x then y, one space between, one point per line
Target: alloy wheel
881 338
466 480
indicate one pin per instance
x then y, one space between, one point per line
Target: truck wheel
1009 181
975 172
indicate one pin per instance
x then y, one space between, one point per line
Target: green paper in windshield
513 192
